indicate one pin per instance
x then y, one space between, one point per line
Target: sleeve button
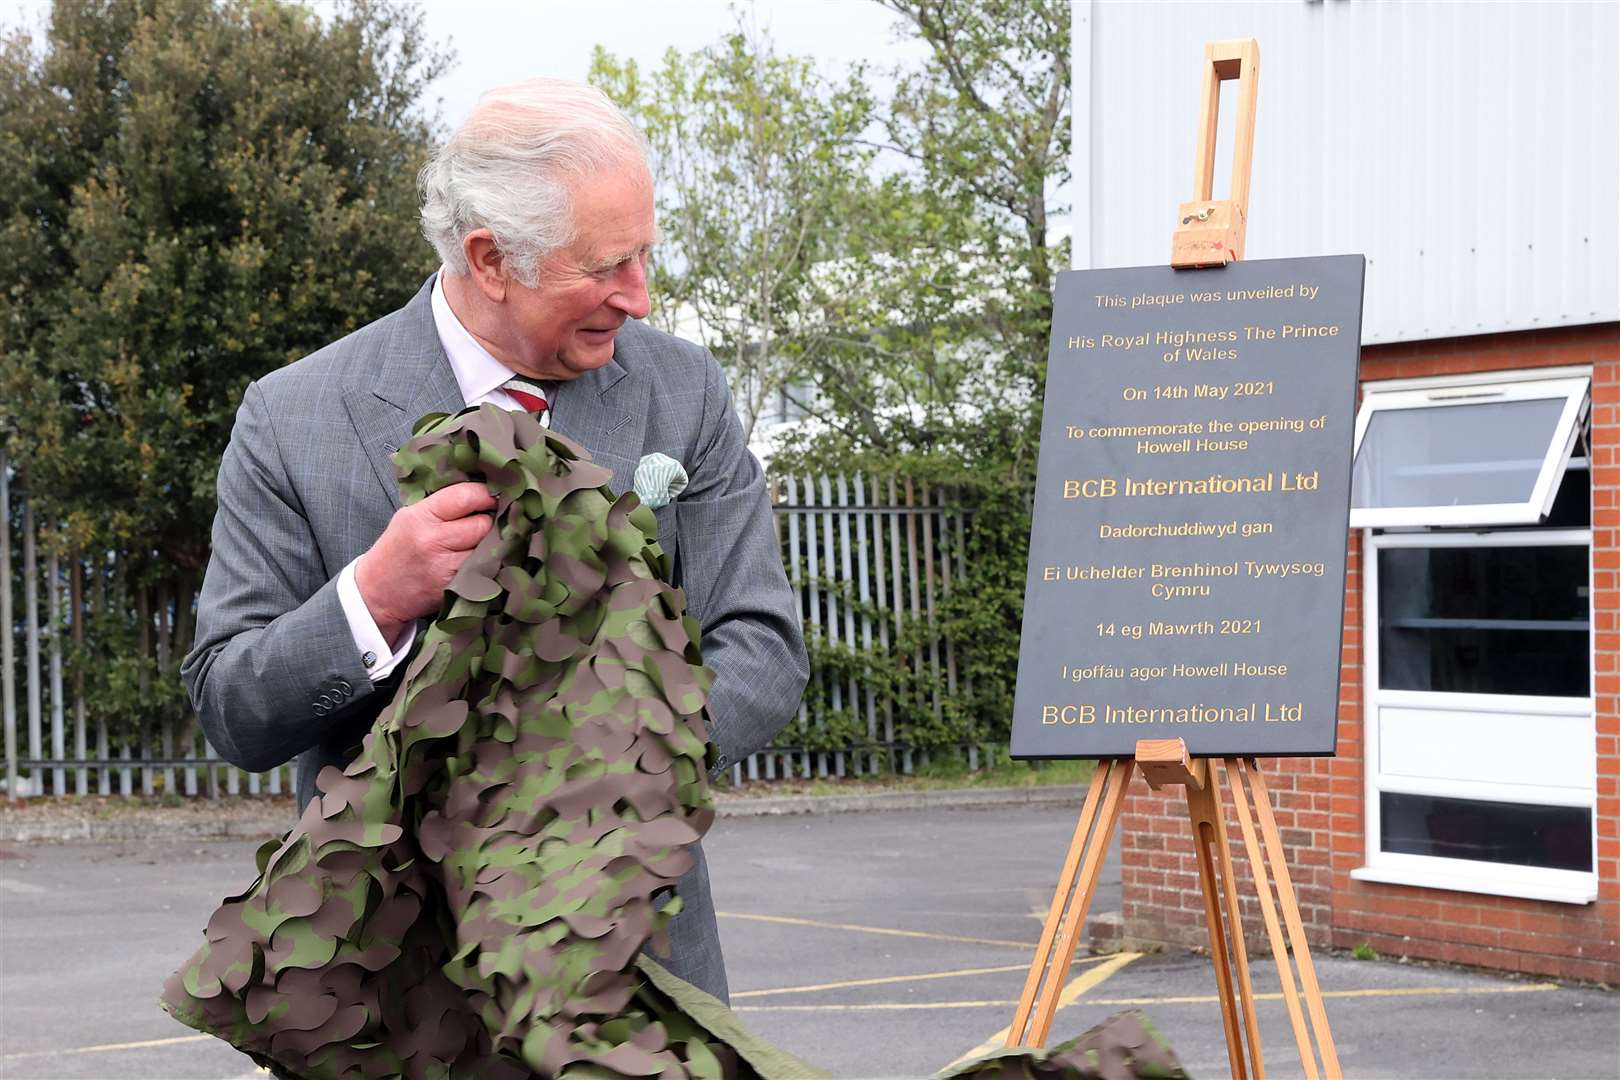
369 659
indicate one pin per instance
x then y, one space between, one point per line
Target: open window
1465 455
1481 763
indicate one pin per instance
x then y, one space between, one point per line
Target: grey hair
511 168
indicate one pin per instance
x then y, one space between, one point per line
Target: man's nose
631 296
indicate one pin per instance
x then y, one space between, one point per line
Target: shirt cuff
375 656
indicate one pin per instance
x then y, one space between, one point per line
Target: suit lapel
413 379
605 411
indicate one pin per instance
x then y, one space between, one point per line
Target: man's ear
485 265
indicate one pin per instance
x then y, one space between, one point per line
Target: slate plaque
1186 568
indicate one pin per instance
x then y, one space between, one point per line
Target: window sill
1430 879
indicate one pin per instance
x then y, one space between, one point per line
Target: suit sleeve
731 569
275 669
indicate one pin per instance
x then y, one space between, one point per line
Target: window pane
1572 506
1454 455
1484 620
1556 837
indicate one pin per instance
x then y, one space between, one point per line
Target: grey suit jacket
306 486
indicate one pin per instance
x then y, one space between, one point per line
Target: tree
810 272
756 165
989 115
984 127
902 295
192 193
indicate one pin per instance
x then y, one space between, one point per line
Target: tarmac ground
872 944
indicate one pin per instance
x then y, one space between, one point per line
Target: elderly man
541 209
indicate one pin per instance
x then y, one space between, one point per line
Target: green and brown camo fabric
470 896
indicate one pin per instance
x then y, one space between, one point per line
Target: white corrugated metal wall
1471 151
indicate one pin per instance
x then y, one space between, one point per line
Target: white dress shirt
480 377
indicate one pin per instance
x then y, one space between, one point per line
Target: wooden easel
1211 230
1210 234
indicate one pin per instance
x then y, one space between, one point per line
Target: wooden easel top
1211 231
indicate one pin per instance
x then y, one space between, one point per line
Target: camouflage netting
470 895
1126 1046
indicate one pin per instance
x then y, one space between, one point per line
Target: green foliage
1364 951
983 125
987 117
887 266
192 194
809 266
759 170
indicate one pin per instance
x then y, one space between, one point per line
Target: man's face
566 325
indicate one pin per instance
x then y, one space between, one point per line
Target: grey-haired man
541 209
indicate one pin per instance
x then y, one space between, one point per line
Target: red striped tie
527 393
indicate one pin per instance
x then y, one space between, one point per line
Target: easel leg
1296 926
1226 946
1076 886
1262 887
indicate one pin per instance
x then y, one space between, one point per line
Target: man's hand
402 577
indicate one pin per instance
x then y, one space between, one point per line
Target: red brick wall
1320 801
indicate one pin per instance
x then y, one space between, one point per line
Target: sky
500 41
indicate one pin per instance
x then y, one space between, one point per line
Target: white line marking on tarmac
107 1048
1394 991
878 981
1199 999
787 920
1070 996
879 1006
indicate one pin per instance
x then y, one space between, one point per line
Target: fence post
847 574
212 755
914 581
81 779
961 575
929 501
165 630
880 601
865 585
104 777
898 762
812 573
828 549
36 775
8 647
53 601
143 618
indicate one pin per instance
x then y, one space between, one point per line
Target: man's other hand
402 577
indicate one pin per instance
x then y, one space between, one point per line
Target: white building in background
1472 153
1467 149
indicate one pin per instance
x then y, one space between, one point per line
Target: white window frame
1467 875
1428 394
